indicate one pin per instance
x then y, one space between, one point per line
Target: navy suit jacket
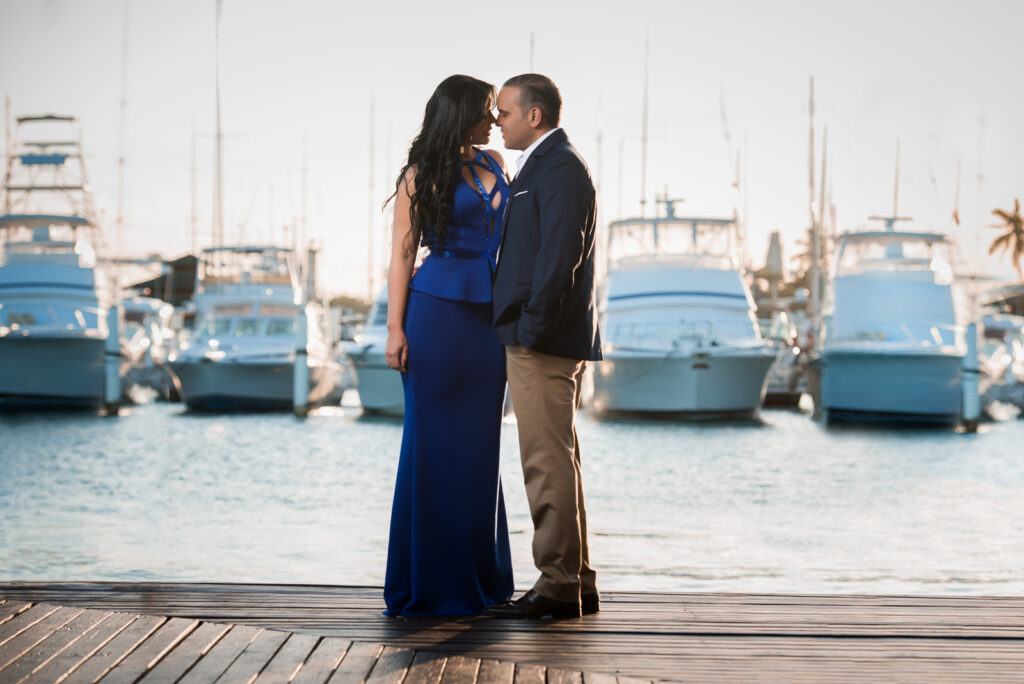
544 279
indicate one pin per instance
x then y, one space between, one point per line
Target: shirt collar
521 162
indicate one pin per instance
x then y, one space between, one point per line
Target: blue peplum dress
448 550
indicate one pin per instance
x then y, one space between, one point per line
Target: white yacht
53 320
678 321
1002 360
146 341
892 342
379 386
241 354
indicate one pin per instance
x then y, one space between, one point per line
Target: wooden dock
166 632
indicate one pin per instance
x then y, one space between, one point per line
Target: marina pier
303 633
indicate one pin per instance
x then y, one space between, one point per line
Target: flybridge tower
45 183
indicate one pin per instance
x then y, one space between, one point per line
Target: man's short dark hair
538 91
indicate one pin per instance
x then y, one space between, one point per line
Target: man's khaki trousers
545 394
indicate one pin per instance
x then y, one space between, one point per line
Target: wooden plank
557 676
289 658
24 620
254 658
53 645
647 636
460 670
529 674
391 666
176 663
11 608
80 649
599 678
495 672
149 652
219 658
322 662
426 668
27 639
356 665
118 648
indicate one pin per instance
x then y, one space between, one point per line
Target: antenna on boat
8 149
194 218
890 221
119 223
372 191
304 222
896 183
643 131
218 179
956 197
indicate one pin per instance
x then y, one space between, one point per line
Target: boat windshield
216 327
895 252
248 327
281 327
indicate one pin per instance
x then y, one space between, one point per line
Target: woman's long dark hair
458 104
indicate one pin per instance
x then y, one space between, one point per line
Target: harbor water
778 504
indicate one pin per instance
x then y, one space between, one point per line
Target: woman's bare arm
404 244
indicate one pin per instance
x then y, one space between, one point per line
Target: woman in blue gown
448 551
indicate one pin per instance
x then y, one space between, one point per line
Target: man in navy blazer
545 316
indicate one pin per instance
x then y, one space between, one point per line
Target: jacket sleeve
565 200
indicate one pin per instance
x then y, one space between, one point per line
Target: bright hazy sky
945 78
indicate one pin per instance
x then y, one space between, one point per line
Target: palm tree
1012 240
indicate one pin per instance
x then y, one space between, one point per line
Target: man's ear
535 116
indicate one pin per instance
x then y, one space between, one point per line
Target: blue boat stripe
67 285
678 293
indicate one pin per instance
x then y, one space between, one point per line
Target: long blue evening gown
448 552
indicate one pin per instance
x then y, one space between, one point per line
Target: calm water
778 505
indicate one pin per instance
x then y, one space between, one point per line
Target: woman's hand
396 351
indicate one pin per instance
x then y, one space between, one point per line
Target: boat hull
704 385
889 387
226 387
379 386
37 372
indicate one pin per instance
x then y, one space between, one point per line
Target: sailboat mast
643 133
896 185
305 191
815 246
194 219
372 192
119 224
821 197
8 151
218 179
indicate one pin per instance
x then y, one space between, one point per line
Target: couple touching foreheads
505 294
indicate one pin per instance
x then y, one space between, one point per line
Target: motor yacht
241 354
678 322
53 301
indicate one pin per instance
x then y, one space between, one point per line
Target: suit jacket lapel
517 182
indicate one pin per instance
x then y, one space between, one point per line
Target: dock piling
300 377
971 404
112 364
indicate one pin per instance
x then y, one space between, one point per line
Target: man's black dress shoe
534 606
591 603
